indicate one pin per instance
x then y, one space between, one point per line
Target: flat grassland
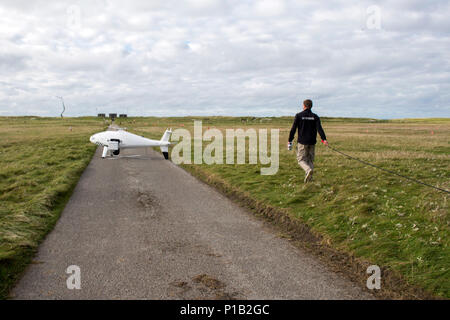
375 216
381 218
41 160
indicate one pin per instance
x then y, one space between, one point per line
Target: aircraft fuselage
125 139
113 141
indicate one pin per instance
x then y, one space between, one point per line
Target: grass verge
41 160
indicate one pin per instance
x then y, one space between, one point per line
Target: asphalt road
143 228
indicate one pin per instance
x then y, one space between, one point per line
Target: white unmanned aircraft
114 141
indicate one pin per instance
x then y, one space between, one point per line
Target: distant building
113 116
101 115
123 115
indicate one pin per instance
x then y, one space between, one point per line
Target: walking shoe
309 176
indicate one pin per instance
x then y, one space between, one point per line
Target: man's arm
321 132
293 129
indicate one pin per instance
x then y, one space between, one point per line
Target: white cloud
216 57
270 7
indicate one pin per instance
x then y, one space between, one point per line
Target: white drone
114 141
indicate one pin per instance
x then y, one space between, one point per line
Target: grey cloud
10 62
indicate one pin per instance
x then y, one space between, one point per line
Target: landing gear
112 147
105 151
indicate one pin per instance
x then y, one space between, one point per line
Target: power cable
389 171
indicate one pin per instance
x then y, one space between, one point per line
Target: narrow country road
143 228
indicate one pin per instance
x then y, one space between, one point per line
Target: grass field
41 160
358 209
382 218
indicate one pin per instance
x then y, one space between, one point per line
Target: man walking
308 124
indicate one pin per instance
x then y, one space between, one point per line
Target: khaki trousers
305 156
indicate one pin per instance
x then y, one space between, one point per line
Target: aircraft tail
166 135
165 143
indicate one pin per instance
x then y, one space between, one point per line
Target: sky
378 59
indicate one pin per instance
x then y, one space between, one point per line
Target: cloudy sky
383 59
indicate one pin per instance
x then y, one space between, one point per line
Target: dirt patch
214 287
146 199
180 284
202 287
394 286
180 289
149 203
209 281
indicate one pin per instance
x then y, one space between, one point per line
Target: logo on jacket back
307 118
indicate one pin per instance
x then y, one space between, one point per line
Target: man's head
307 104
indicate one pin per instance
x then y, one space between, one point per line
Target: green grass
382 218
41 160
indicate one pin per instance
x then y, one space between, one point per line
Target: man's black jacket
308 124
